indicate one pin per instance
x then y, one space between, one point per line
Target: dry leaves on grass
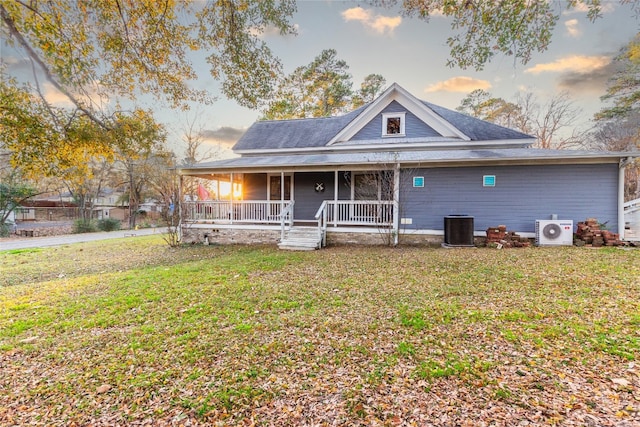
341 336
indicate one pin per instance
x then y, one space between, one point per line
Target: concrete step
295 244
300 238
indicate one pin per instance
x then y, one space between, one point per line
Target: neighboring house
46 210
151 208
395 169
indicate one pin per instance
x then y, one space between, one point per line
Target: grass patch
127 331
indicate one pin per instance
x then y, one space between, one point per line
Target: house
393 171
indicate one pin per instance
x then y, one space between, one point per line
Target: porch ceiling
364 161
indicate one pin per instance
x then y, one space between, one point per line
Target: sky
413 53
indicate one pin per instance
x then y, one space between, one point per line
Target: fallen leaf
620 381
103 388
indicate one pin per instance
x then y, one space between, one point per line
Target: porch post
335 199
231 197
281 192
179 203
396 204
621 223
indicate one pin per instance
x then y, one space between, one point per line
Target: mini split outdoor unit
555 232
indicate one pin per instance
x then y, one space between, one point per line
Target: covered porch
287 201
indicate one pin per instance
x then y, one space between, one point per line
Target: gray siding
307 199
522 194
414 127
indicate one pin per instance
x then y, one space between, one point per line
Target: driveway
65 239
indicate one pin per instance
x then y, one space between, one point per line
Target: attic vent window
393 124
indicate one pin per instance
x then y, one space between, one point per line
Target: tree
94 50
623 87
194 152
85 186
548 122
165 183
321 89
482 105
14 190
617 124
372 86
126 48
47 141
485 29
140 141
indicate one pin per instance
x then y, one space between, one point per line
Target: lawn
132 332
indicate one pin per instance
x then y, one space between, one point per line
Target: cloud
579 73
459 84
605 7
54 97
573 28
271 31
573 64
94 96
225 135
592 81
14 64
378 23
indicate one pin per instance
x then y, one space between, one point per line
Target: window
275 187
489 181
393 124
418 181
365 187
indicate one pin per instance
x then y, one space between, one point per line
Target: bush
109 224
84 226
4 230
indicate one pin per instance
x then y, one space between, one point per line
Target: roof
297 133
424 158
339 143
476 129
322 132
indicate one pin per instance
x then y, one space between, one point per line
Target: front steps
300 239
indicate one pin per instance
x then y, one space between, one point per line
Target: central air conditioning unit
554 232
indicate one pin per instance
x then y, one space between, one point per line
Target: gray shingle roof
317 132
476 129
298 133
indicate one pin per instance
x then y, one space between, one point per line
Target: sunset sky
413 53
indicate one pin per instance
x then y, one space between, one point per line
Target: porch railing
632 219
228 212
632 206
371 213
377 213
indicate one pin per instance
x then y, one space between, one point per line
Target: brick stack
496 234
501 238
591 233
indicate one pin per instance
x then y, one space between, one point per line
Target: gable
414 127
396 93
